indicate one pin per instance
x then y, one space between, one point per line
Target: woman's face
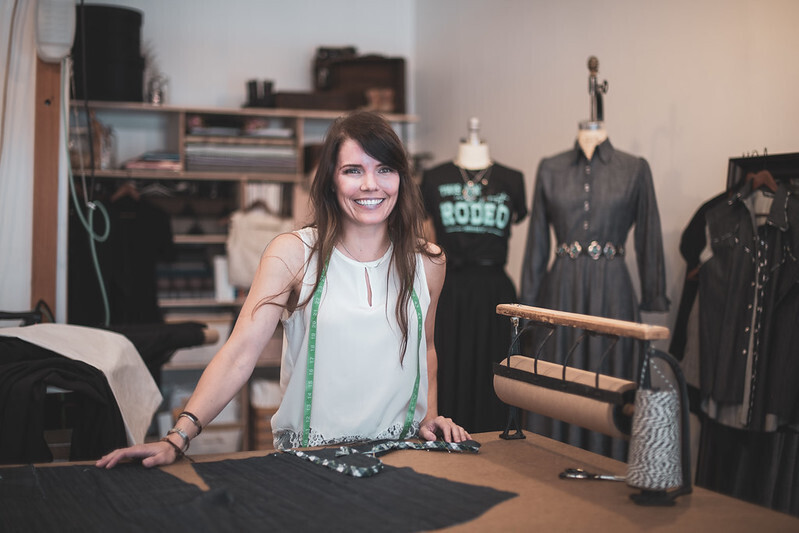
366 189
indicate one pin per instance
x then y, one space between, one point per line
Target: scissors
579 473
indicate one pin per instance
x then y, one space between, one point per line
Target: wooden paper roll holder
550 319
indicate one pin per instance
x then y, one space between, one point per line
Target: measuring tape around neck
309 371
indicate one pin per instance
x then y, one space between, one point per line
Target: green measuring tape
309 370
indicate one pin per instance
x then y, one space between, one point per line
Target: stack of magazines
233 158
154 161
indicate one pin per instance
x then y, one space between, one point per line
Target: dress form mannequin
590 135
472 203
584 202
472 152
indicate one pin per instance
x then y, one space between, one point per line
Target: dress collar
778 213
604 151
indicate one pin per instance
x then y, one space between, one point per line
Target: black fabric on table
286 493
277 492
25 372
127 498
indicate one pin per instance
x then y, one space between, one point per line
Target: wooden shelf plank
197 302
199 239
195 175
320 114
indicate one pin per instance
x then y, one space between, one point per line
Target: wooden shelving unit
140 127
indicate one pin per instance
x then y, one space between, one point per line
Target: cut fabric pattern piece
285 493
279 491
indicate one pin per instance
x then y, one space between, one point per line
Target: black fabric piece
756 466
692 242
282 492
127 498
157 343
278 492
25 372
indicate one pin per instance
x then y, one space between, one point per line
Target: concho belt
594 250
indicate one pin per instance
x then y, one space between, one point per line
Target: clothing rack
781 166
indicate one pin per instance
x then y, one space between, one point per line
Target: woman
359 287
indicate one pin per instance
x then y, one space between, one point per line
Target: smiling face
366 189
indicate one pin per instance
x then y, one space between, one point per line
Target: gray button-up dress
591 207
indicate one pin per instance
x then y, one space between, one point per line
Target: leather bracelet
194 420
182 435
178 452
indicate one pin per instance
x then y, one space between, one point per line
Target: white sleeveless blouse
361 390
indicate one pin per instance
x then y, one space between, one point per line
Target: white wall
691 84
209 49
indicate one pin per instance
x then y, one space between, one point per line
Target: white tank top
361 390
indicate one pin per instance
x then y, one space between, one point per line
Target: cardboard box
367 73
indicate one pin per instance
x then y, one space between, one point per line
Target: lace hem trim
288 439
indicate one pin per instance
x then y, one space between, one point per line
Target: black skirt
469 338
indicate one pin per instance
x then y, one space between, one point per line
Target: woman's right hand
151 454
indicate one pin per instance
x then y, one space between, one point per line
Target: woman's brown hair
378 139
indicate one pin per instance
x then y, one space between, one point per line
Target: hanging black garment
25 372
692 242
140 237
749 310
756 466
473 227
749 331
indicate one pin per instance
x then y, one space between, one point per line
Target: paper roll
589 413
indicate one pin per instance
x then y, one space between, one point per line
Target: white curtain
17 83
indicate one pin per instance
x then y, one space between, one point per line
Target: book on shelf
154 161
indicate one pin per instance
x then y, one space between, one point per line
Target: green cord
88 225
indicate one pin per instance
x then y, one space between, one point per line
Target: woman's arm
277 279
433 424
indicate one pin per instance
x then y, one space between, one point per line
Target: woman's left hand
433 428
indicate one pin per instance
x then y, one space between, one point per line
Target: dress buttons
587 169
586 205
585 224
587 187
